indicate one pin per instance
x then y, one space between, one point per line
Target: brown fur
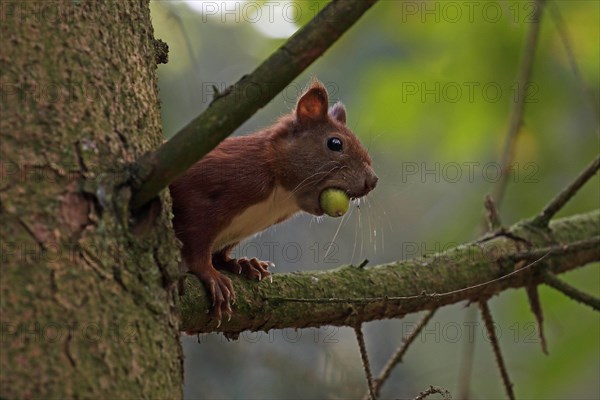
244 171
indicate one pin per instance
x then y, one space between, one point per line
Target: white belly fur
258 217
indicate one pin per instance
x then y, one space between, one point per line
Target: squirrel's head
321 152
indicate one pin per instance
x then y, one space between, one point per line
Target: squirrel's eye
334 144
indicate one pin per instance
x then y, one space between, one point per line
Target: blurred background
428 86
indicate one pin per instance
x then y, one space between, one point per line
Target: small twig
551 280
365 359
503 232
466 367
492 216
434 389
566 194
563 249
486 315
564 36
536 309
516 117
400 351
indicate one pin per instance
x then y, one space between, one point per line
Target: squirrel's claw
220 291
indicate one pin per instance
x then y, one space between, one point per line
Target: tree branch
360 338
536 308
486 315
434 389
155 171
467 272
399 353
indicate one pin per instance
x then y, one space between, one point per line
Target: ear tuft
312 106
338 112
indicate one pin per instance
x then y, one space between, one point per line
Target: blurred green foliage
428 86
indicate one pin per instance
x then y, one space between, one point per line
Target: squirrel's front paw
253 268
220 291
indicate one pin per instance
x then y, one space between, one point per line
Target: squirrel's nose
371 181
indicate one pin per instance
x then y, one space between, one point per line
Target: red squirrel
249 183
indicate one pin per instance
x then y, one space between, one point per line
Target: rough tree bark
87 294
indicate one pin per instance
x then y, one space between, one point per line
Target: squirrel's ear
312 106
338 112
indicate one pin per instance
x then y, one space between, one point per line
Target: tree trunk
87 292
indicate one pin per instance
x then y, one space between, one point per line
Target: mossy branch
349 295
230 109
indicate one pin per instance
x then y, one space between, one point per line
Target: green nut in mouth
334 202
